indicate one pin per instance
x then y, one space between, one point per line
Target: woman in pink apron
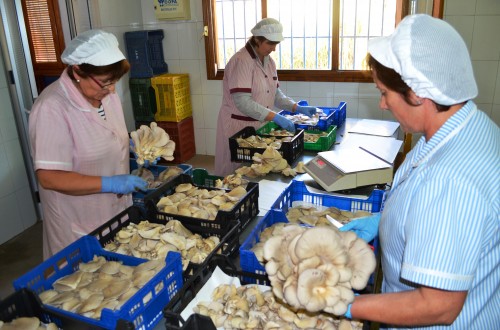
80 144
251 92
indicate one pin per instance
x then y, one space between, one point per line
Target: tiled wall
477 21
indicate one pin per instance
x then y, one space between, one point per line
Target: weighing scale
348 168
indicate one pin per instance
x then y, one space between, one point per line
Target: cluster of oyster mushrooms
192 201
314 137
279 132
312 216
27 323
246 307
99 284
155 182
151 142
317 268
269 161
256 141
153 241
231 181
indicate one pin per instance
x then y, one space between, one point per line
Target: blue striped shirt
440 225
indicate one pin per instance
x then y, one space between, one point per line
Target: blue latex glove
348 313
147 163
284 123
366 228
122 184
306 110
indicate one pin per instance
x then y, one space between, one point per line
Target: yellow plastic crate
173 99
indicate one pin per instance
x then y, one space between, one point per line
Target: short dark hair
253 40
115 71
394 82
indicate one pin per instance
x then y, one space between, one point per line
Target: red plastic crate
182 133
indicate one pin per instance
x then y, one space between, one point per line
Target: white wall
478 22
17 211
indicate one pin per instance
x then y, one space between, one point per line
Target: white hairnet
94 47
431 58
270 29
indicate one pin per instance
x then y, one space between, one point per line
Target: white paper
205 294
269 191
352 160
385 148
375 127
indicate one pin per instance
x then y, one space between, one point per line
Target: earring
78 80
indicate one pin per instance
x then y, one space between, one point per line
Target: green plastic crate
324 143
143 99
202 178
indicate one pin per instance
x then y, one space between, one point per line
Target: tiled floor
23 252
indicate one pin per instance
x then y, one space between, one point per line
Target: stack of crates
157 95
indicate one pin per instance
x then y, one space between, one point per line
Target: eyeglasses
101 85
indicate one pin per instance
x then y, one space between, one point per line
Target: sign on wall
172 9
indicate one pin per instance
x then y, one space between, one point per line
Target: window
325 40
43 26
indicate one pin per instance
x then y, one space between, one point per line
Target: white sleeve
249 107
283 102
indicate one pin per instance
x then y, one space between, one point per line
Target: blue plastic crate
297 191
138 197
143 310
323 123
248 260
340 114
145 53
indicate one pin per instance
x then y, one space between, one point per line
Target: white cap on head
431 58
270 29
94 47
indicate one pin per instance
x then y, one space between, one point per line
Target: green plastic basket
324 143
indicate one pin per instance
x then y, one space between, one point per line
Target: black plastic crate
22 303
145 53
290 151
172 312
143 99
243 212
106 233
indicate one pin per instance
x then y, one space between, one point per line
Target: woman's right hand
122 184
284 122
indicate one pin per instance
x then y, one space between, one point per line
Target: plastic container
173 319
145 53
22 303
297 191
290 151
248 260
323 143
323 123
106 233
142 311
143 99
138 196
173 98
182 133
243 211
340 114
203 179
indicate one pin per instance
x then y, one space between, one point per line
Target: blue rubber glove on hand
122 184
284 123
348 313
306 110
366 228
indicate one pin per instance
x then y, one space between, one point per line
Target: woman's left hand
306 110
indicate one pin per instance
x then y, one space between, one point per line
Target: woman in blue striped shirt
439 230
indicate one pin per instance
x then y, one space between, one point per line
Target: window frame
333 75
47 69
